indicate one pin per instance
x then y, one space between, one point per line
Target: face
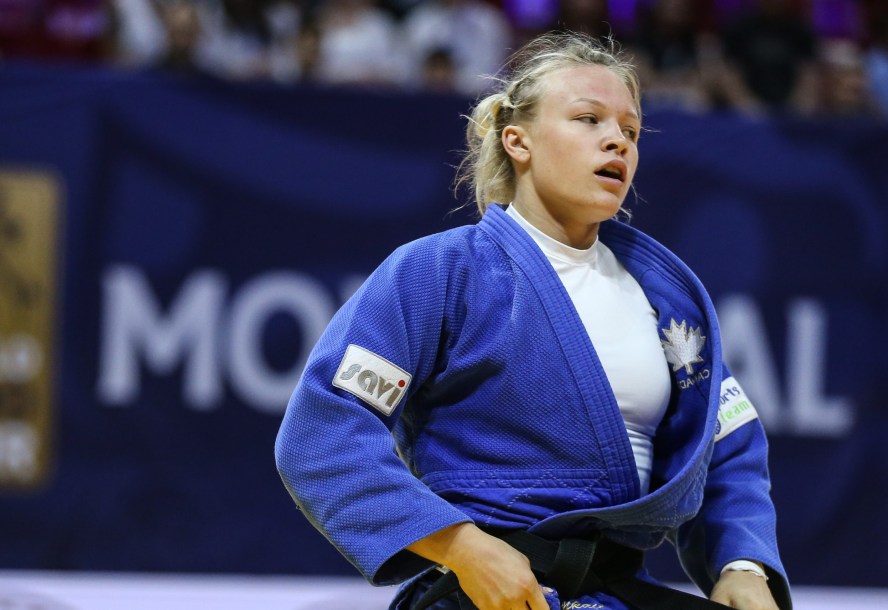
575 160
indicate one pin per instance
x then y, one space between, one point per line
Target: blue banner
200 234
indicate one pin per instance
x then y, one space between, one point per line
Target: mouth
614 170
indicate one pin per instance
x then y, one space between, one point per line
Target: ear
516 141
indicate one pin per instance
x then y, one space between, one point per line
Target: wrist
744 565
446 547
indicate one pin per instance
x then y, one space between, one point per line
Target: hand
743 591
491 573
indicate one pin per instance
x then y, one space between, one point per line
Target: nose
615 140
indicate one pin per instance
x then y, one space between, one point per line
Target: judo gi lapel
605 419
689 333
684 440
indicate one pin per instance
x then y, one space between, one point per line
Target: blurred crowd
810 57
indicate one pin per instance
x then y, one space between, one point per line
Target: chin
605 210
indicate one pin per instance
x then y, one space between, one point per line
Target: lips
613 170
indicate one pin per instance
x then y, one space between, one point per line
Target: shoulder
445 245
453 262
433 256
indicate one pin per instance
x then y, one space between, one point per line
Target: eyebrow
595 102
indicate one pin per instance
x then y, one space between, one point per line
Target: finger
538 601
720 594
721 599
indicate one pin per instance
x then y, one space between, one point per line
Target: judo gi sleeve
335 451
737 519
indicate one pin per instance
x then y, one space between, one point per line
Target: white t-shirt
623 328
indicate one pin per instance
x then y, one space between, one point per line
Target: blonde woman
508 414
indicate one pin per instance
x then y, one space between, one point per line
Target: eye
631 133
589 118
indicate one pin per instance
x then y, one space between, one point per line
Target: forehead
572 84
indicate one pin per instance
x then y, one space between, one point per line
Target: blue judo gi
459 384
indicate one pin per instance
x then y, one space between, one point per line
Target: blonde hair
486 168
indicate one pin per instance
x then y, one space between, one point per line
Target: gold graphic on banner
29 214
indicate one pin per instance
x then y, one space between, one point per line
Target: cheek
632 162
553 163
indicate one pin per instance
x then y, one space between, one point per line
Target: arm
335 451
737 519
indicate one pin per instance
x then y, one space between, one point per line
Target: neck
574 234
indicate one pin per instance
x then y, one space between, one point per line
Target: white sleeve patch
372 378
734 409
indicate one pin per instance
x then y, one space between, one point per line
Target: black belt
576 566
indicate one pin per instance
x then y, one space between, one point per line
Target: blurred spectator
20 27
589 16
76 29
238 39
288 22
877 60
183 29
530 18
773 50
439 72
837 19
299 57
843 86
751 55
249 39
54 29
140 33
284 18
667 50
476 35
399 8
534 17
358 44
